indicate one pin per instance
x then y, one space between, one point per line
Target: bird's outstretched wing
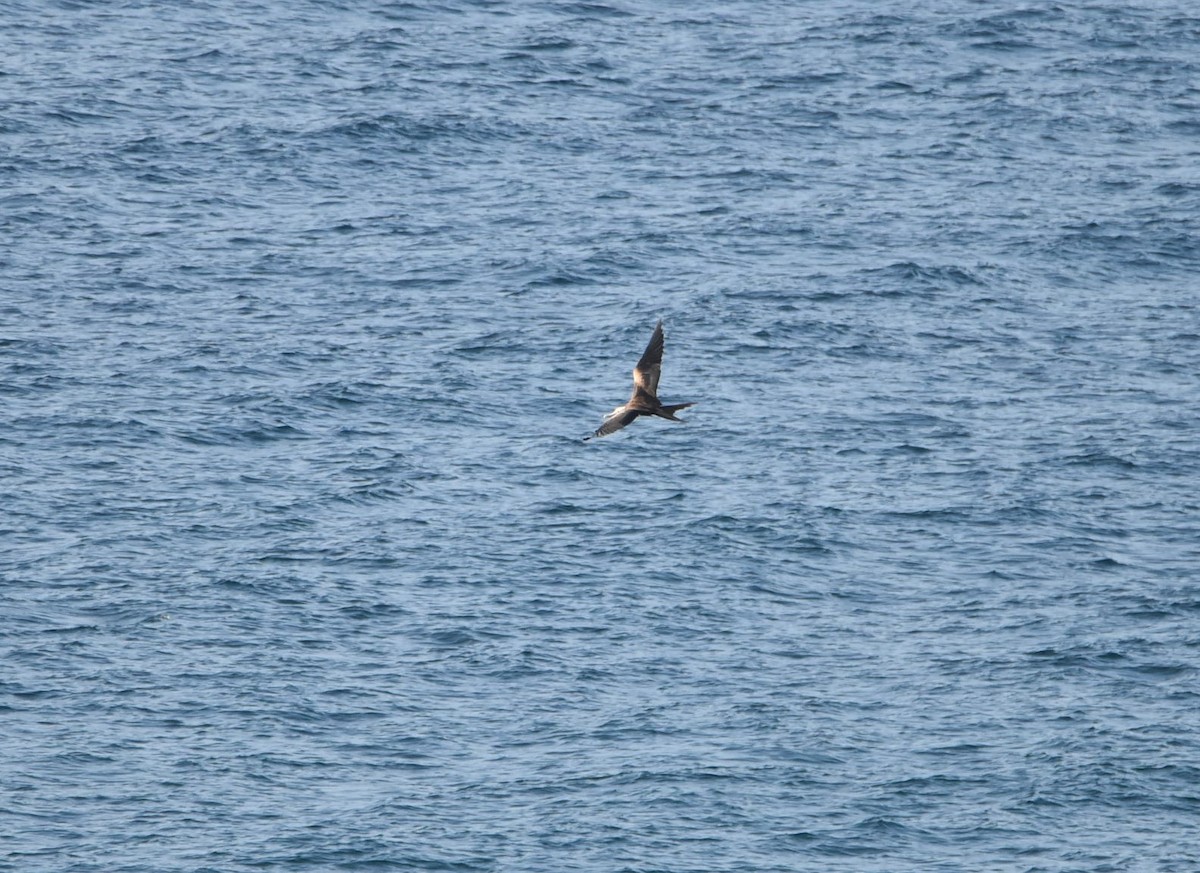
649 367
614 421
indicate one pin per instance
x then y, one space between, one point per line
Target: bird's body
644 400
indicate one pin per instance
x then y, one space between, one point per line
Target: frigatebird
644 400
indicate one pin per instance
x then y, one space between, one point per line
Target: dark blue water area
305 308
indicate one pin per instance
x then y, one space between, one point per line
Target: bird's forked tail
669 411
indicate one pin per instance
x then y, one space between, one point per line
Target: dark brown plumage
644 400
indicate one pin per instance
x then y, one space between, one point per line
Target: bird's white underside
620 410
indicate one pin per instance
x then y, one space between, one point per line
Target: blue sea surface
305 308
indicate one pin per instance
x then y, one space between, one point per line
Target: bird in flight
644 400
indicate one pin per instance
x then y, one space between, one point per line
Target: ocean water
306 306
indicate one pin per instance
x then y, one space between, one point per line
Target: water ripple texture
305 308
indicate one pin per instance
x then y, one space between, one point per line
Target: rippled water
305 308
